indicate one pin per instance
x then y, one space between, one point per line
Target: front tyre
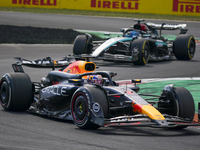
16 92
143 48
81 106
184 47
184 106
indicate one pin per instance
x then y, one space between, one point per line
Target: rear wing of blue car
42 63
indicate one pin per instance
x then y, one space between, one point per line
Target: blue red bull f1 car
92 99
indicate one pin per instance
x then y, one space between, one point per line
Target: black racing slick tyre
16 92
82 45
184 47
184 106
81 106
143 48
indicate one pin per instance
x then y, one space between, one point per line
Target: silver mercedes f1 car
138 45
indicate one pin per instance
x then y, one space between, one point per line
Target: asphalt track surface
24 131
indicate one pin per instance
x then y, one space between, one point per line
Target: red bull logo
73 68
36 2
189 6
80 67
115 4
137 108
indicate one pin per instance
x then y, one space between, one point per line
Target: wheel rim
146 54
191 49
79 108
4 94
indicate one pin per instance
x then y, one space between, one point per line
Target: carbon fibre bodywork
138 44
68 95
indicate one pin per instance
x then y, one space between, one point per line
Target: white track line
163 79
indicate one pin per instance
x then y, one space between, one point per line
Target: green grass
100 13
155 88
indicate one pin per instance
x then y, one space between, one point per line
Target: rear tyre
16 92
184 47
82 45
142 46
184 105
81 102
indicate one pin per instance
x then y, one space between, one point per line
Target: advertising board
169 7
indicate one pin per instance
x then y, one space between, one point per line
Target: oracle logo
55 90
115 4
189 6
36 2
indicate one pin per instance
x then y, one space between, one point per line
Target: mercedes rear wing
166 26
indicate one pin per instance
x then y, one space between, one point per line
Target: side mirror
136 88
136 81
122 30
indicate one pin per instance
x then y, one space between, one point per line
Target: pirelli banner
170 7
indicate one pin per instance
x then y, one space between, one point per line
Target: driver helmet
132 34
97 79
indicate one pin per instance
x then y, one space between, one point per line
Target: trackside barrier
168 7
